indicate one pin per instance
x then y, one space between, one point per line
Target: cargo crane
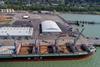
56 46
75 40
14 42
72 46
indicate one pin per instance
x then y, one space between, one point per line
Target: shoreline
81 13
61 12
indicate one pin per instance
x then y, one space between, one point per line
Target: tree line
59 7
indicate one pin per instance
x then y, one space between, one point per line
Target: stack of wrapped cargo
43 49
7 49
63 49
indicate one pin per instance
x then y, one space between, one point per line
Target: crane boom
14 42
75 40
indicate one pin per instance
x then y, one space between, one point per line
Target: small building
16 32
50 27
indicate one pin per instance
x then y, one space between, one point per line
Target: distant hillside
84 0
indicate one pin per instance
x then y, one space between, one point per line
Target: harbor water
81 17
91 30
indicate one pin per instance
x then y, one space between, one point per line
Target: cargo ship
43 51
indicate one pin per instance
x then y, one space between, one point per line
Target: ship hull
45 58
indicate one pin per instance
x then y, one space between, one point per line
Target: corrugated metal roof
16 31
50 26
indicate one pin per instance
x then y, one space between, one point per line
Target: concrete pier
95 42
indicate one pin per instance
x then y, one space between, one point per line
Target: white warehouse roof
16 31
50 26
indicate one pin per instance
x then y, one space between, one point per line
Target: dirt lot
5 19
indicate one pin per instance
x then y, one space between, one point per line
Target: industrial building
50 27
6 32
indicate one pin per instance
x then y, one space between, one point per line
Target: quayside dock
94 41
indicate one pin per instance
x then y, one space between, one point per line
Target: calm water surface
90 30
81 17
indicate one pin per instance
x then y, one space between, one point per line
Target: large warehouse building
16 31
50 26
